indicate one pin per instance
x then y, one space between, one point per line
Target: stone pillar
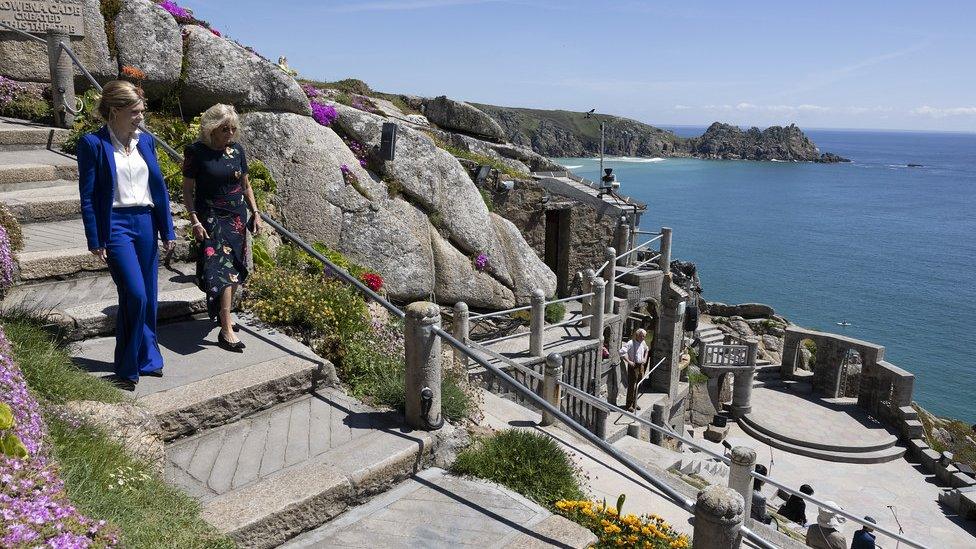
658 417
62 80
665 260
623 241
609 276
791 353
537 322
667 341
596 323
422 350
461 328
718 518
587 302
742 383
740 476
609 257
550 388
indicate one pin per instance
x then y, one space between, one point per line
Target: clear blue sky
891 65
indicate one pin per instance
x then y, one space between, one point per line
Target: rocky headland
557 133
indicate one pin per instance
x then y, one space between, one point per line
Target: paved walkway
433 509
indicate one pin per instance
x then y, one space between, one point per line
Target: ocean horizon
886 247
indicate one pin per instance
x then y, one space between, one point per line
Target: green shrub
260 254
28 105
478 158
262 183
532 464
110 10
555 312
489 201
697 378
12 226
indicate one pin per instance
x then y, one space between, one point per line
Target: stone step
17 167
270 476
58 250
856 455
433 509
56 202
85 306
20 135
204 386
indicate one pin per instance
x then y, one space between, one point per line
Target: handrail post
596 323
623 242
665 260
611 282
743 380
550 386
586 304
461 330
718 518
740 476
537 322
422 350
62 80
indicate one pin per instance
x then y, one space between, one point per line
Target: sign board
41 16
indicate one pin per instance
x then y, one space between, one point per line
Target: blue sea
889 248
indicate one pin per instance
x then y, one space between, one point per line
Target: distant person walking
864 538
825 534
795 507
217 194
124 208
634 353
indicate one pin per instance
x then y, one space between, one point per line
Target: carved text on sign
40 16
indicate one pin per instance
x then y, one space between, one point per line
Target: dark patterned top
220 207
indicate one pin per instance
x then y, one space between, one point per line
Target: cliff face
565 133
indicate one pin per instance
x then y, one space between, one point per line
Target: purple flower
6 261
323 114
345 169
176 11
311 91
481 262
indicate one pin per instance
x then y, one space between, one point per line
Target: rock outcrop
394 234
220 71
462 117
24 59
149 38
725 141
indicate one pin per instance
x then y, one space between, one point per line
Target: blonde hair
215 117
639 332
118 94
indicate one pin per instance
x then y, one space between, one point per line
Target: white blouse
131 175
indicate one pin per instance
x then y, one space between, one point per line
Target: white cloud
936 112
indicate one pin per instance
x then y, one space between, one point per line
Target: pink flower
209 251
215 31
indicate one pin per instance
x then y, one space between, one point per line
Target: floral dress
220 207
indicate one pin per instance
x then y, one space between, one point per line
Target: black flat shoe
122 383
227 345
154 373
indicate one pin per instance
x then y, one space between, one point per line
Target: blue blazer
97 180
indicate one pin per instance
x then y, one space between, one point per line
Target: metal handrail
498 356
504 338
566 322
499 313
635 267
570 298
635 248
24 33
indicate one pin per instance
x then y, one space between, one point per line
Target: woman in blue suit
125 206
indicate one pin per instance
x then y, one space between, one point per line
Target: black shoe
154 373
122 383
227 345
236 328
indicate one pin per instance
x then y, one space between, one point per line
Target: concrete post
587 303
665 260
422 349
740 476
537 322
609 276
550 388
657 418
718 518
62 79
623 242
596 323
461 330
742 384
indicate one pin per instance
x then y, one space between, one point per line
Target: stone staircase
266 440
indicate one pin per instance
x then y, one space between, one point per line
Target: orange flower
132 72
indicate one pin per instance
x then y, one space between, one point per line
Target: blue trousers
133 260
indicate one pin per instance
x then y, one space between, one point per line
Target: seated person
795 508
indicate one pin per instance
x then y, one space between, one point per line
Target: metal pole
601 149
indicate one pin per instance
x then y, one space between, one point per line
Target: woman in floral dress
217 193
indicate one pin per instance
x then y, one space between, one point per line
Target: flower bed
34 508
616 530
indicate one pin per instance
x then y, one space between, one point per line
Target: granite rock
148 38
463 117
